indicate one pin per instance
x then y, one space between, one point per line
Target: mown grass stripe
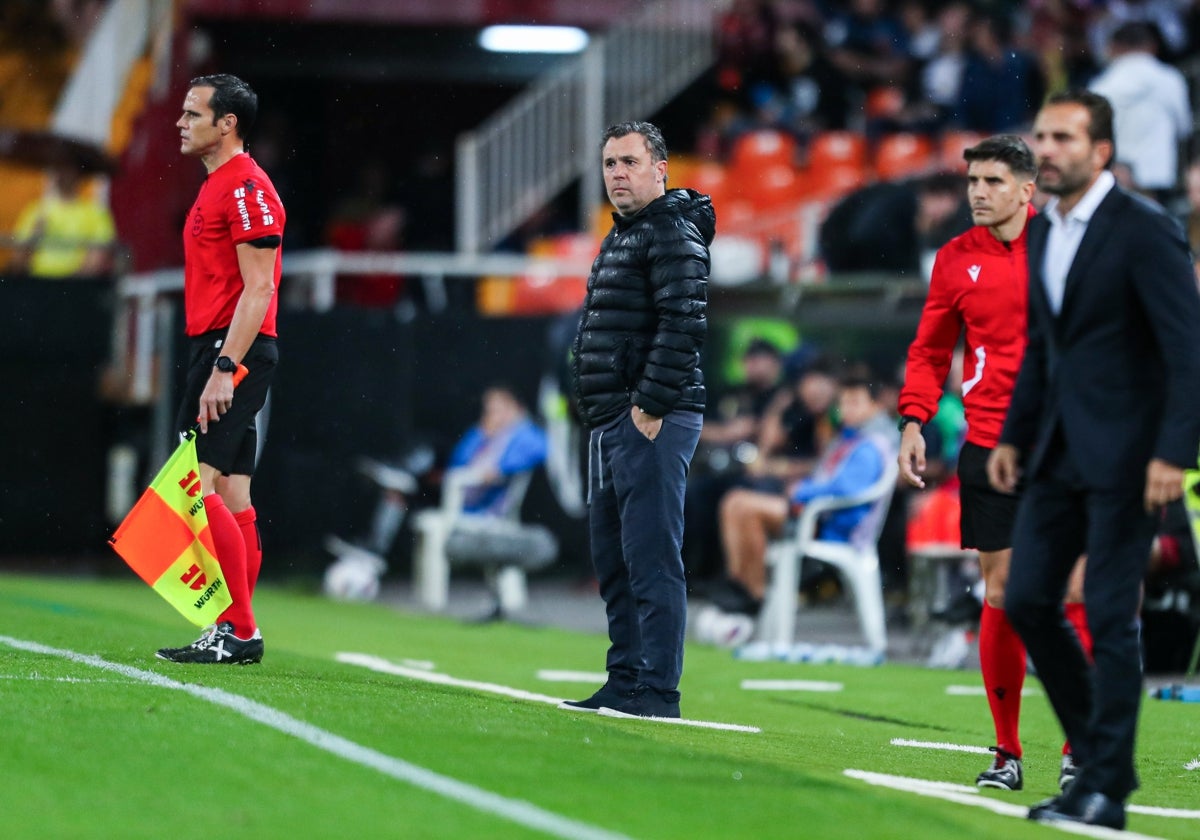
514 810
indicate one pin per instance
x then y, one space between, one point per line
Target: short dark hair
761 347
1100 113
858 380
1008 149
230 96
649 131
1135 34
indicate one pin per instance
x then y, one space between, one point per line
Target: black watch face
226 364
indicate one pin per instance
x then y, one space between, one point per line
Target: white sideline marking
572 676
790 685
939 745
38 678
423 664
381 665
514 810
970 796
980 691
701 724
1153 811
376 663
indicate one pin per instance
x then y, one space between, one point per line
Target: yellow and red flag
167 541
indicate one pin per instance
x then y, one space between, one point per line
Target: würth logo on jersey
974 272
249 189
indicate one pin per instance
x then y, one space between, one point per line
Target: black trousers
1096 704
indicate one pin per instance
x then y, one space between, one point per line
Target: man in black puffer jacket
640 391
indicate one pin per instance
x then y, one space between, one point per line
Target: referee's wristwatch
225 364
905 420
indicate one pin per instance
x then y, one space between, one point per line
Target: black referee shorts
987 514
230 443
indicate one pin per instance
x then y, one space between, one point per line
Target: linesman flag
166 540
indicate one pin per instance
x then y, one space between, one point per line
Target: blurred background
444 201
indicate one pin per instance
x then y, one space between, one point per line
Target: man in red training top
980 286
232 263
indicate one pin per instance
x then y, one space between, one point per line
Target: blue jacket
526 449
850 466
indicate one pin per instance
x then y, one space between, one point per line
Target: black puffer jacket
643 321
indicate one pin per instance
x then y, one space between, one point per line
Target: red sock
1002 660
1076 613
247 521
231 552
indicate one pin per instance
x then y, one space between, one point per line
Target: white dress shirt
1066 232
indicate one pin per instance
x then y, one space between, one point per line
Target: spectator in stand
894 226
938 81
1164 16
750 518
65 233
1001 85
745 47
868 45
1151 111
812 89
1058 36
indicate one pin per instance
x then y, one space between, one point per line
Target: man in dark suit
1103 420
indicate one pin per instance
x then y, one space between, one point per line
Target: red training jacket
981 284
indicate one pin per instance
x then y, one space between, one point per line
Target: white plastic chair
856 561
431 568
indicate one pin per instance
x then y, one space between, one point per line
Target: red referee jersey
237 203
979 284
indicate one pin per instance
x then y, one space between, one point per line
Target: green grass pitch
100 752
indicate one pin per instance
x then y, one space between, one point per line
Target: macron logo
974 272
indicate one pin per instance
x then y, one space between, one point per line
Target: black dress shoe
1087 808
1045 806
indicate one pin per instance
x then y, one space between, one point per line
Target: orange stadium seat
772 186
953 144
762 148
838 149
707 177
832 182
903 154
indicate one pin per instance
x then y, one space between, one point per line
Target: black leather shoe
1087 808
608 695
1043 807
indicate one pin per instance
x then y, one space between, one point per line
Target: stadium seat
734 214
838 149
857 563
435 528
831 182
952 146
762 148
903 154
707 177
772 186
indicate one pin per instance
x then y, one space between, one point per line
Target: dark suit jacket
1117 372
